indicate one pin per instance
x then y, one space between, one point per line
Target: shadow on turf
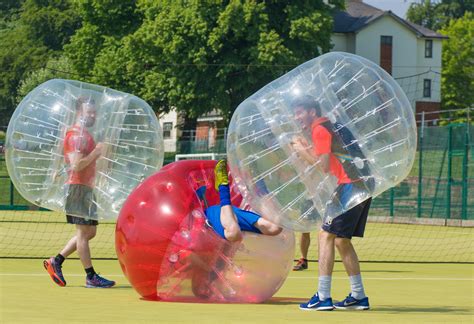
388 271
411 309
271 301
285 301
114 287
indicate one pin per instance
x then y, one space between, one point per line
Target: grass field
399 293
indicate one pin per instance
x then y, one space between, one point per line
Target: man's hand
299 144
99 150
303 149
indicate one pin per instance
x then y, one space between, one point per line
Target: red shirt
79 140
322 140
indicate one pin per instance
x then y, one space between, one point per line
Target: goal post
200 156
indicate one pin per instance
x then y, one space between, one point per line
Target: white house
409 52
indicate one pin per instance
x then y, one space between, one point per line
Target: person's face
88 114
304 117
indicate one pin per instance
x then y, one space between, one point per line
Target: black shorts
351 223
80 206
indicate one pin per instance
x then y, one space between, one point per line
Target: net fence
429 217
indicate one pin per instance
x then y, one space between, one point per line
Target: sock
90 272
224 194
324 287
357 288
59 259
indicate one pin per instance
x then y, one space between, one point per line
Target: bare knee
233 233
273 230
268 228
343 244
92 233
326 236
85 232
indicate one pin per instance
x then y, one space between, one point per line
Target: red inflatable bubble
167 251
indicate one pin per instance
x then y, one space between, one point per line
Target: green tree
457 81
9 11
104 23
436 14
31 33
51 22
21 56
56 68
198 56
425 14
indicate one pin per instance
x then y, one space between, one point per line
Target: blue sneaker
99 282
352 303
319 305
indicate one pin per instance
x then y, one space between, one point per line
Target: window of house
427 88
428 48
167 127
386 40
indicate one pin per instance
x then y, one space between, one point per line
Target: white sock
357 287
324 287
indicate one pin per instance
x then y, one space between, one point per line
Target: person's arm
80 162
305 152
324 162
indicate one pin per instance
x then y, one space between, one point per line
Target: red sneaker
54 270
302 264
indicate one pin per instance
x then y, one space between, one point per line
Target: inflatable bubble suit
372 135
167 252
68 116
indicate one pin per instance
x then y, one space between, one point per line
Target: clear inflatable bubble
81 148
324 137
168 252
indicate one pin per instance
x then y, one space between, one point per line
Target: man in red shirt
335 232
80 155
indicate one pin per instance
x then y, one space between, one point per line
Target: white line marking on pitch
337 278
401 278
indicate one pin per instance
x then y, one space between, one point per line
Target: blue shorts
246 219
351 223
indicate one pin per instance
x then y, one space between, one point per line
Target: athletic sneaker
352 303
318 305
302 264
221 174
54 270
99 282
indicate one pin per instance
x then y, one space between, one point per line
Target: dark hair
83 100
307 102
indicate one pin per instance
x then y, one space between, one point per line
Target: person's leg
229 221
84 234
326 263
54 264
267 227
322 301
302 263
356 220
69 248
348 256
231 226
304 244
351 264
